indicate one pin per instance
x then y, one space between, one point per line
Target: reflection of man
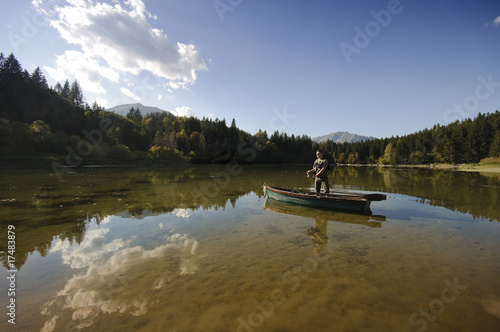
318 234
320 175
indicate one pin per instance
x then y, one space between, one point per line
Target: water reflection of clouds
92 248
183 213
105 287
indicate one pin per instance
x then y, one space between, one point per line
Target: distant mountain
123 109
342 136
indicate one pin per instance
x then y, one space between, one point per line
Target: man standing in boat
319 171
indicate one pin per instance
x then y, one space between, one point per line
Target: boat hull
323 201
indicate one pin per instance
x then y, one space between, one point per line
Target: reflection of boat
333 200
364 218
322 217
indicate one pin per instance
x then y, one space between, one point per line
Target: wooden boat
333 200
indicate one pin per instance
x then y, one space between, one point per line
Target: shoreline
482 168
487 168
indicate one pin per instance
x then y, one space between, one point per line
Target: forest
42 126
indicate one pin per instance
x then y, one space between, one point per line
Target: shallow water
201 249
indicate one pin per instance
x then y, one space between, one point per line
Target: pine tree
58 88
38 80
135 115
76 95
66 90
12 67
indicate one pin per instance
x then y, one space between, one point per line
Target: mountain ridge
337 137
125 108
342 137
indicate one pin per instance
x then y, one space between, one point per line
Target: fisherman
319 171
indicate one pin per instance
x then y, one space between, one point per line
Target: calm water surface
201 249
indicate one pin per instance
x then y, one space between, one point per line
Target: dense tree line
468 141
39 120
36 118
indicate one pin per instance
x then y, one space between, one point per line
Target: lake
201 249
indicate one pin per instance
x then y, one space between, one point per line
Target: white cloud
102 102
89 73
130 94
170 93
182 111
115 40
492 24
496 22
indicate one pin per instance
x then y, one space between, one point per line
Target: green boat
332 200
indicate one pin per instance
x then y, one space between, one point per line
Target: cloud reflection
183 213
92 248
105 287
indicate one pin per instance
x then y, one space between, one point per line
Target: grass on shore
490 165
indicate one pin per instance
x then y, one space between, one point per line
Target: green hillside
42 126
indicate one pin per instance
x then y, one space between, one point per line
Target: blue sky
375 68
